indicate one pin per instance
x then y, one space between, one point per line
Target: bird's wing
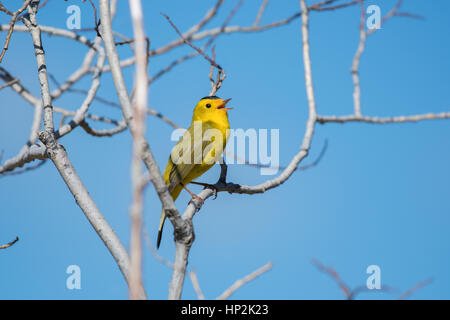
179 161
186 156
178 173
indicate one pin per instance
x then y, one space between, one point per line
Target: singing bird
199 148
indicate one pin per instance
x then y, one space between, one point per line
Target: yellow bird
199 148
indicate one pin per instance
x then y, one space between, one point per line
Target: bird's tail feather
174 193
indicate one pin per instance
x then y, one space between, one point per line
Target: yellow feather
209 113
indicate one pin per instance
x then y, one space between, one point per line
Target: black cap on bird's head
206 103
210 97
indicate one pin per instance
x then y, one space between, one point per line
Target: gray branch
140 107
180 225
60 159
383 120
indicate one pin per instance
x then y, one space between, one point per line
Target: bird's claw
214 193
208 186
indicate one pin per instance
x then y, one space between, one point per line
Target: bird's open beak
222 106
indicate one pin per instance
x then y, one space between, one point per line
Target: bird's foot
207 186
200 202
194 197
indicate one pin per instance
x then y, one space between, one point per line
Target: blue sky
379 196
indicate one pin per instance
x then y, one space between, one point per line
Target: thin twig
10 83
333 274
155 252
193 275
120 127
224 24
171 66
11 25
194 29
351 294
395 13
20 171
415 288
200 51
233 29
80 114
355 65
9 244
383 120
299 168
321 5
96 22
239 283
216 84
43 4
260 13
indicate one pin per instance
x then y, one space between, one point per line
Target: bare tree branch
182 229
96 22
35 33
332 273
385 120
321 6
299 168
20 171
187 35
193 275
140 107
260 13
120 127
4 246
34 152
80 114
185 40
11 25
239 283
355 65
350 294
415 288
59 157
10 83
356 60
174 63
392 13
216 84
155 252
25 154
119 82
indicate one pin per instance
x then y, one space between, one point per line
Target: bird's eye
208 105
